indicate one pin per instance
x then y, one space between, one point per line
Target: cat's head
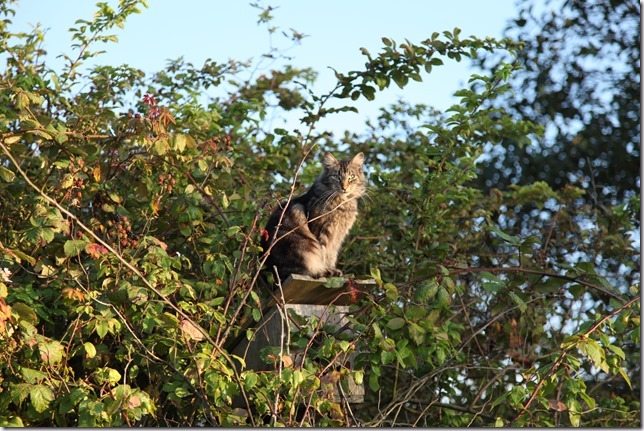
344 177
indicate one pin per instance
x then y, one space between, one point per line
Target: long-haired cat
312 227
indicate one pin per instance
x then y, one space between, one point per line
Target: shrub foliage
131 211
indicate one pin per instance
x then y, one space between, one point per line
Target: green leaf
250 380
68 402
113 376
369 92
617 350
491 277
41 396
32 376
25 312
358 376
73 247
504 236
180 142
181 391
425 290
492 287
161 147
594 352
203 165
334 282
257 315
626 378
520 302
115 197
500 400
90 350
589 400
102 328
375 274
6 174
569 341
373 382
231 231
417 333
443 298
399 78
51 352
12 422
19 392
396 323
391 292
23 256
573 413
435 61
415 313
107 375
224 200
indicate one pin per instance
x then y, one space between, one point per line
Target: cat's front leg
329 258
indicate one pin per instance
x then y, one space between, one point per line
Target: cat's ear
358 160
329 161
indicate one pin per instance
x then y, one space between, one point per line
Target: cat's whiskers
366 195
332 195
325 198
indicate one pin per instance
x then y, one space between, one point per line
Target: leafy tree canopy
581 79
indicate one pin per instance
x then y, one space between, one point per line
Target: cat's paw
333 273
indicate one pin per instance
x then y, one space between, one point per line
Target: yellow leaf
5 311
12 139
96 173
625 376
287 361
73 294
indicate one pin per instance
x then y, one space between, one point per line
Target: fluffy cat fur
315 224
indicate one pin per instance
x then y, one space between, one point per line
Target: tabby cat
314 225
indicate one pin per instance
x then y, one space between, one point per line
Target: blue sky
222 30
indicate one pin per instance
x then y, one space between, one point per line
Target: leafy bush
131 213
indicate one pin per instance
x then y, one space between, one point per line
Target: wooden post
307 297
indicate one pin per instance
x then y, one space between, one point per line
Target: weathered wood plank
300 289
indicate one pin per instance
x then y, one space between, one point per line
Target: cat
314 225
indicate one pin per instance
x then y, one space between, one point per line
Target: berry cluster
75 192
218 143
166 182
122 231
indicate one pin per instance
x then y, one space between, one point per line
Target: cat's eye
351 178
